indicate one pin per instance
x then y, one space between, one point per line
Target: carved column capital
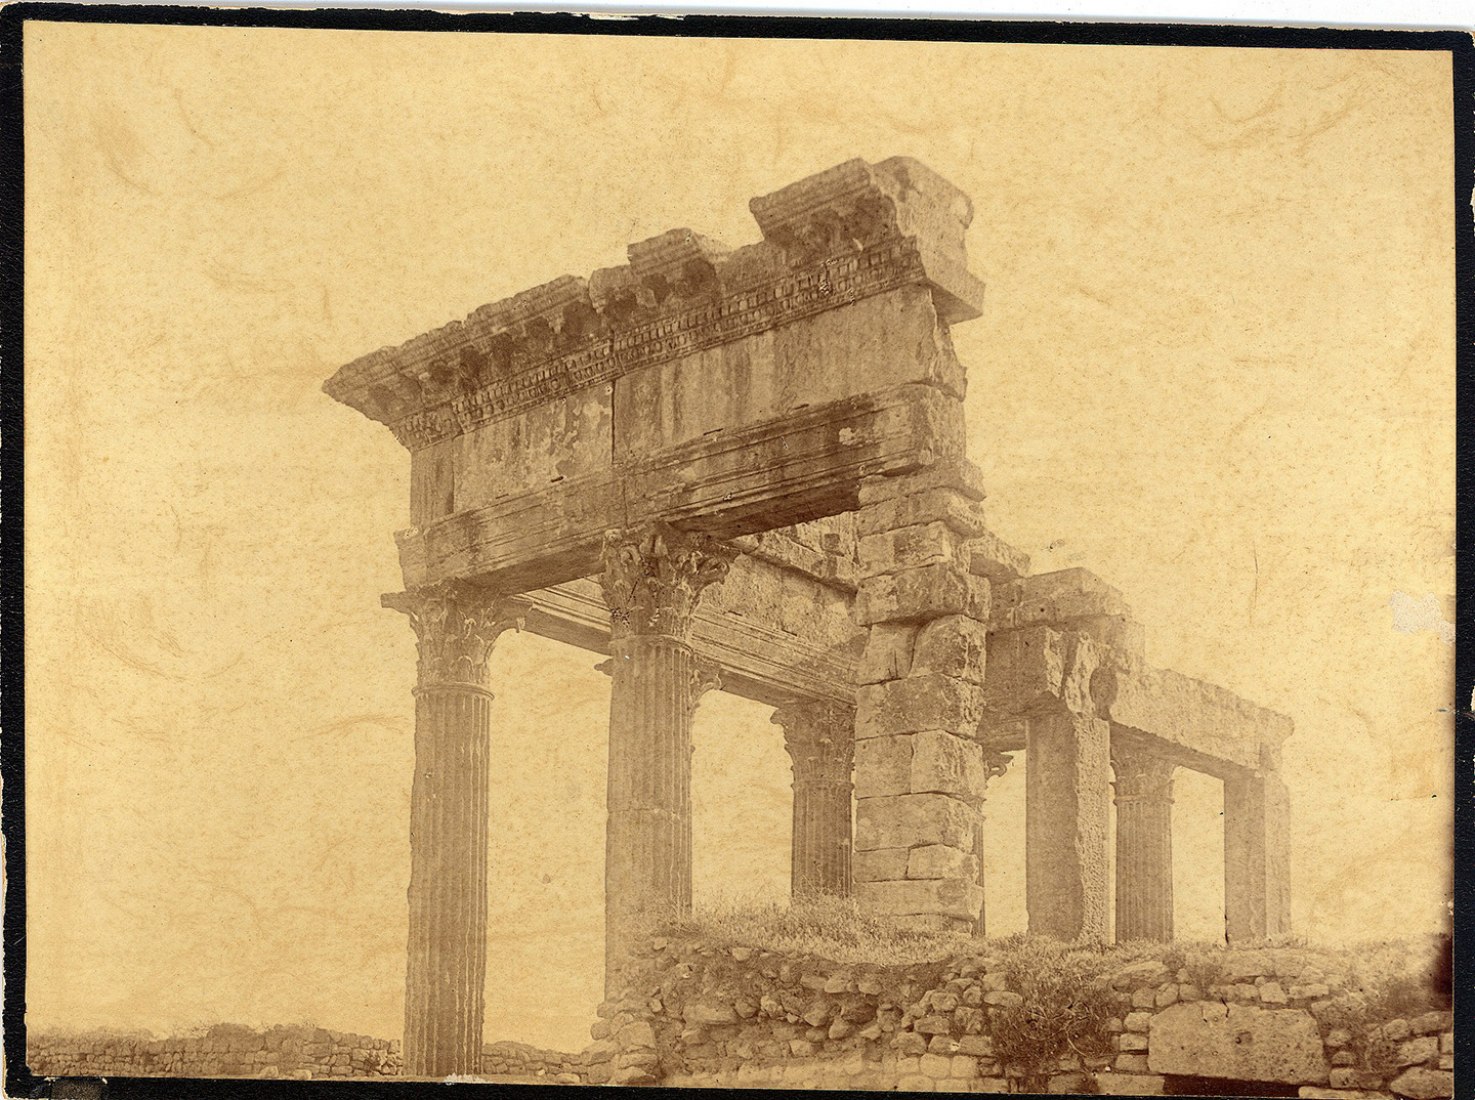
456 626
819 736
1141 775
705 676
995 763
654 577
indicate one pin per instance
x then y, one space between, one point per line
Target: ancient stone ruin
590 458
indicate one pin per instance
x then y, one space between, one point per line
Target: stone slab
1237 1043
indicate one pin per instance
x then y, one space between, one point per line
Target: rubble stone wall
742 1017
291 1052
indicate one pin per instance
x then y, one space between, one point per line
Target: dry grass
827 927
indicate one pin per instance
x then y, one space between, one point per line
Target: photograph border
19 1080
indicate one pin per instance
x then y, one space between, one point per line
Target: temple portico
747 468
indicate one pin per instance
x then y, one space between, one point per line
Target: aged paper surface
1214 367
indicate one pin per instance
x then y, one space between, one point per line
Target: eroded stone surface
1238 1043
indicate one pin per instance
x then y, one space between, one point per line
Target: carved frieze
835 238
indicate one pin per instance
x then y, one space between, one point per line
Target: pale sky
1215 366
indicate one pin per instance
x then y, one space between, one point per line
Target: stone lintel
1212 726
760 659
733 483
830 240
1039 669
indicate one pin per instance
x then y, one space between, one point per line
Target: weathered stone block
1421 1083
911 595
911 820
1132 1042
948 764
1414 1052
941 861
953 645
1131 1063
917 703
1063 594
936 1065
887 654
951 898
948 506
699 1013
962 476
884 865
919 544
1238 1042
883 766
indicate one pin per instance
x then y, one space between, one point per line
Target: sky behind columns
1214 367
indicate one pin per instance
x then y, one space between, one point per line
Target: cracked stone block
945 763
887 654
911 595
952 645
932 543
911 820
920 702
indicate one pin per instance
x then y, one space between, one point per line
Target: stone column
919 773
653 579
995 764
1144 844
1067 783
820 739
1257 893
456 625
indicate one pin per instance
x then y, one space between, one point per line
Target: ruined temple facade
745 469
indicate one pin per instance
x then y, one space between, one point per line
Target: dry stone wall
738 1016
229 1051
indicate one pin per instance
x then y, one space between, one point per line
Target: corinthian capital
1141 774
456 626
653 579
820 739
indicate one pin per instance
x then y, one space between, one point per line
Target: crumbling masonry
746 468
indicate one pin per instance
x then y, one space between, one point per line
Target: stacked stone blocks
919 768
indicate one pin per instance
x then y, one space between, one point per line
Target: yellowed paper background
1215 367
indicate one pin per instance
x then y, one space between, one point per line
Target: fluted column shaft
445 976
819 737
1144 845
652 581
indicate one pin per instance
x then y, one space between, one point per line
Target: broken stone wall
708 1015
287 1052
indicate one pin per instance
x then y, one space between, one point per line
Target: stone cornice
845 234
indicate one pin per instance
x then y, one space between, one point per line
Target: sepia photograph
732 553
